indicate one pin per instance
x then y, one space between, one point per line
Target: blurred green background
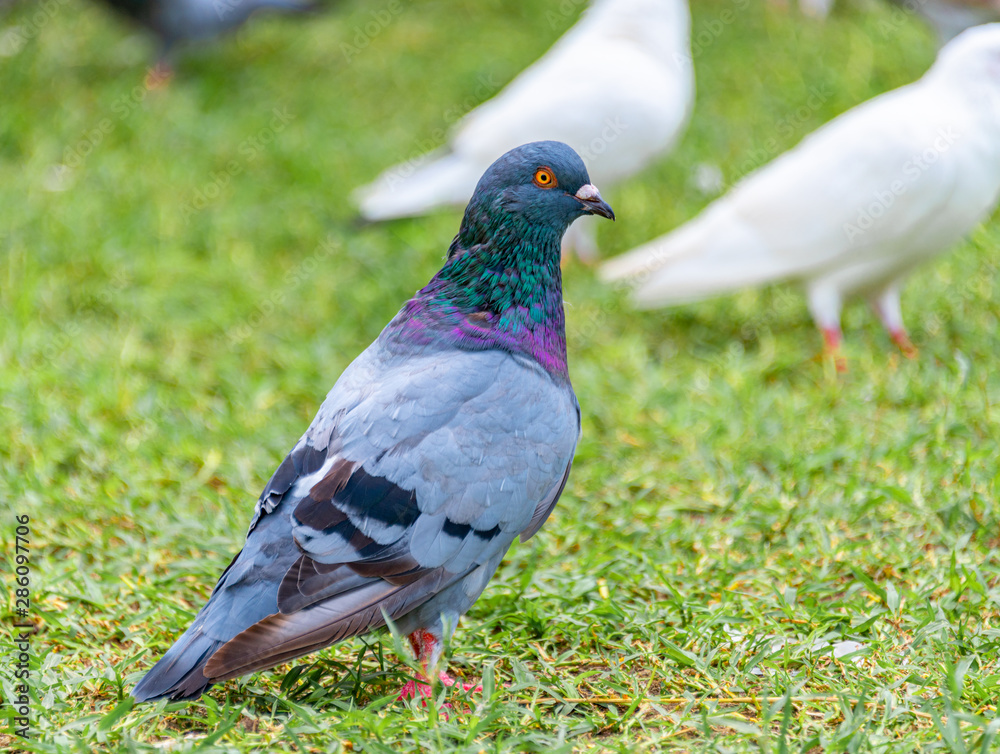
182 278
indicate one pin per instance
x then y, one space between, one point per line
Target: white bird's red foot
854 208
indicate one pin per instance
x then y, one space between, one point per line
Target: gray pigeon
452 434
175 21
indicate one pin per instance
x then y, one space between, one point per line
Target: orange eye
545 178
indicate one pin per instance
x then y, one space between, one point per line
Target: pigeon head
501 285
538 188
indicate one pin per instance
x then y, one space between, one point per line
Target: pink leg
424 645
159 76
832 339
902 340
887 307
411 689
427 648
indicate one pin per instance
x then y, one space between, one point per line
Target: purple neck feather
488 296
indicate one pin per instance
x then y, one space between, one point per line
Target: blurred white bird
816 8
618 87
951 17
947 17
819 9
854 207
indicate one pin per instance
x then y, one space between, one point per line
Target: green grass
735 506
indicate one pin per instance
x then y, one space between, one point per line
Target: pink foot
411 689
427 648
159 76
902 340
831 345
447 680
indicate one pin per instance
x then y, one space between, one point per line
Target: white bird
816 8
854 207
950 17
618 87
947 17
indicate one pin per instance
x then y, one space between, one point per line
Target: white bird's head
973 56
662 27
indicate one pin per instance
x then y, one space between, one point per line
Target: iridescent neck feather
501 287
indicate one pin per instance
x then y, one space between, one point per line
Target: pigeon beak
592 202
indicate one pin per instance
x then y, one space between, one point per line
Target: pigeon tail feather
280 637
180 672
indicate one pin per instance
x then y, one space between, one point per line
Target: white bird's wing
611 98
875 181
618 114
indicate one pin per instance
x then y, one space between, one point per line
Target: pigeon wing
415 472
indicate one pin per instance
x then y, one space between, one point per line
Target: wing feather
856 191
387 512
280 637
